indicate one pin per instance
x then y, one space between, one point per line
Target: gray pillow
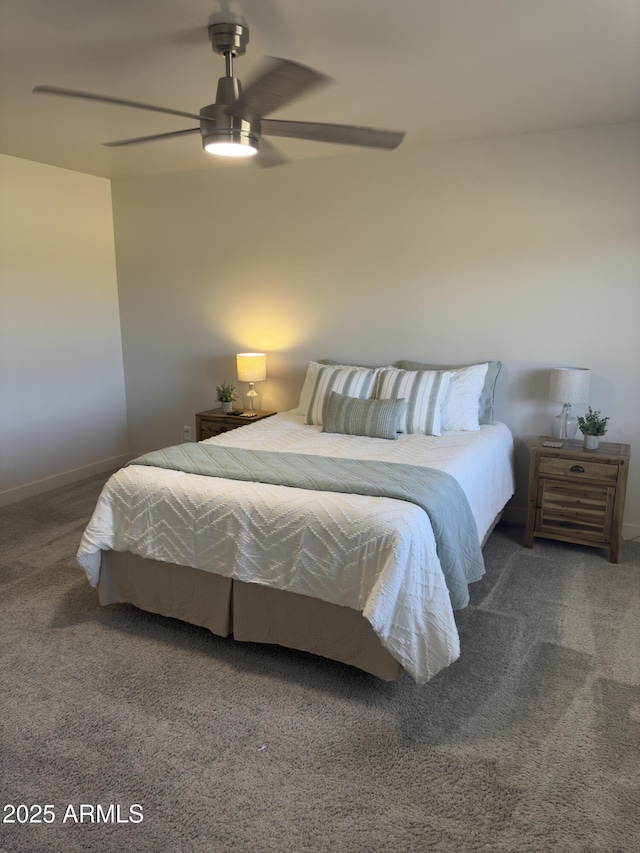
372 418
485 413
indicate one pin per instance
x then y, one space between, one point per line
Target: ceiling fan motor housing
217 125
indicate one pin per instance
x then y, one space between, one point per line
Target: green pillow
354 416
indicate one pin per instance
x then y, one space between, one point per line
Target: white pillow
424 391
462 403
351 381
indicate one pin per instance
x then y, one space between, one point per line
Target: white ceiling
440 70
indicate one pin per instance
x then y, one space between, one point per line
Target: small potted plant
226 394
592 426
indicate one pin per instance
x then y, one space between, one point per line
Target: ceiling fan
236 124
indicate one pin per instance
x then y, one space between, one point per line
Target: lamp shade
569 384
251 366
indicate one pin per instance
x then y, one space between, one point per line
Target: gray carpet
530 742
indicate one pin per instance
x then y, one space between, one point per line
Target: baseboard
47 484
630 531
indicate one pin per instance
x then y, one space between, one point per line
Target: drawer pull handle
577 469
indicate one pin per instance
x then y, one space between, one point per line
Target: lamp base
564 425
252 400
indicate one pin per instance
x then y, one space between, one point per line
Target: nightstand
577 495
214 421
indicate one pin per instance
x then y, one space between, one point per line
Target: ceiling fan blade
121 142
268 155
73 93
282 82
343 134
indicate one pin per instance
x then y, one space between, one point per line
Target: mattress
374 555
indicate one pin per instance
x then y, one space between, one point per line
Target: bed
355 577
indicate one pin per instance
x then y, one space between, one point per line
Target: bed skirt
251 612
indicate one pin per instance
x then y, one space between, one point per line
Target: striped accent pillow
373 418
351 381
424 391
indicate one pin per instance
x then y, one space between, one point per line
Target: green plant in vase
226 394
592 426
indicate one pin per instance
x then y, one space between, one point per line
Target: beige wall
524 249
62 404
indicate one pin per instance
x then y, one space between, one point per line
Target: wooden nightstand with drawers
577 495
214 421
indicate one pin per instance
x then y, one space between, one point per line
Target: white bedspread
375 555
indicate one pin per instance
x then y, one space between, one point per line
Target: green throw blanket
438 493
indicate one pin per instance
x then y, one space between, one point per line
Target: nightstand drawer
582 470
216 422
208 430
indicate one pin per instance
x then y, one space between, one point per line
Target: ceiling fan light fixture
225 135
230 145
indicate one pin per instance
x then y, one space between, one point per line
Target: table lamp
251 368
567 385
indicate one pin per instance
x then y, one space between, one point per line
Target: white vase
591 442
226 406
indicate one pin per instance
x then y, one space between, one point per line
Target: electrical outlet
186 434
